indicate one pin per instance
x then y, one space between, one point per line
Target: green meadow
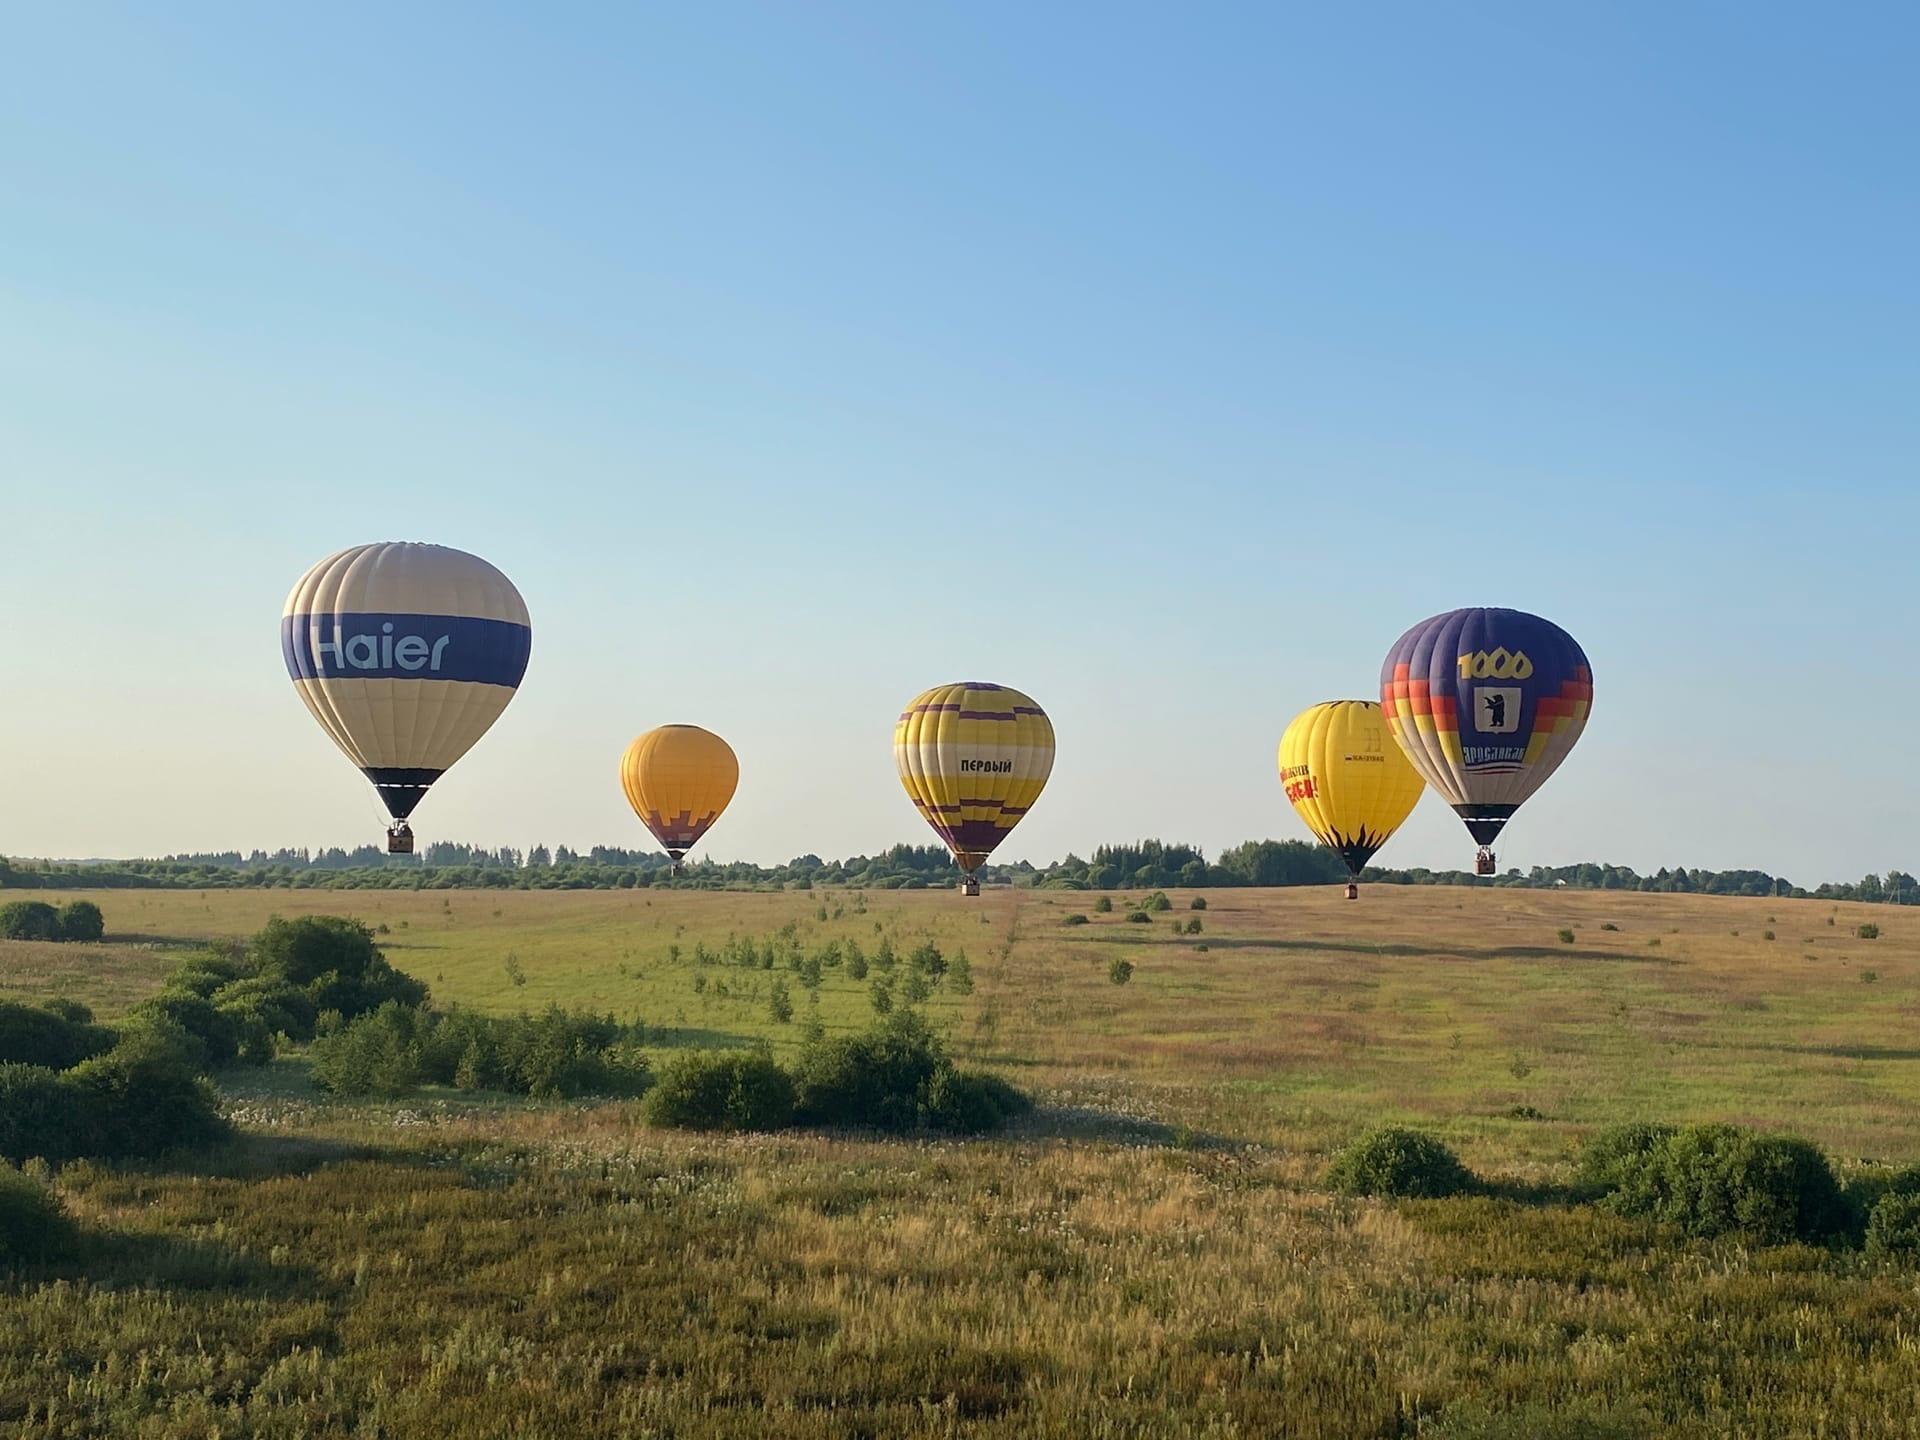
1153 1252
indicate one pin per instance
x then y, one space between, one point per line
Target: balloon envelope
1486 704
678 779
1347 778
406 654
974 757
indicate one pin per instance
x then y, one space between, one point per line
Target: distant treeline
1142 864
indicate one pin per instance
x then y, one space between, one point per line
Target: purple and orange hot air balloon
1486 703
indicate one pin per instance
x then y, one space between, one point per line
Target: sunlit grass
1153 1253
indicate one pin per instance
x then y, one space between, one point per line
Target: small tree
81 920
1120 971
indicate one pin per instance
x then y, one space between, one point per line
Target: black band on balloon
400 788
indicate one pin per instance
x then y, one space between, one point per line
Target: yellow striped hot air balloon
406 654
974 757
678 779
1347 779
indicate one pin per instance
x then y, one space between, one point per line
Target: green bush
877 1078
36 1035
337 963
1139 917
1120 971
217 1035
1869 931
68 1010
1401 1163
896 1076
721 1090
81 920
1893 1229
1721 1179
146 1099
1156 902
555 1054
285 1009
206 974
969 1102
43 1116
33 1226
1076 920
1103 905
371 1055
1199 902
1566 937
29 920
1621 1159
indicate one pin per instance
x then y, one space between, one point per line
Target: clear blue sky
1164 362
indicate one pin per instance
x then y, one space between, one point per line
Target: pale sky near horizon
1166 363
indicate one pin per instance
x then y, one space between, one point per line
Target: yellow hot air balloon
974 757
1348 779
678 779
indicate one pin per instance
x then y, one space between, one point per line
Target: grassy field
1153 1253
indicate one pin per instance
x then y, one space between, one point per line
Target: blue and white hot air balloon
405 654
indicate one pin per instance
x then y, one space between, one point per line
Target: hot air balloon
974 757
405 654
678 779
1348 780
1486 704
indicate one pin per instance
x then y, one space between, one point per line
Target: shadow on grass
1537 1193
1395 951
161 942
1085 1122
174 1262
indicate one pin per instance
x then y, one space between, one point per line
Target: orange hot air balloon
678 779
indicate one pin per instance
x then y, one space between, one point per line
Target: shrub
1608 925
721 1090
283 1008
81 920
68 1010
960 974
29 920
42 1116
1397 1162
1719 1179
557 1054
1139 917
1156 902
1120 971
1868 931
206 974
35 1035
897 1076
1199 902
1893 1229
780 1002
372 1055
1103 905
1566 937
856 963
968 1102
146 1099
1076 920
1193 925
216 1034
1620 1158
336 962
33 1227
